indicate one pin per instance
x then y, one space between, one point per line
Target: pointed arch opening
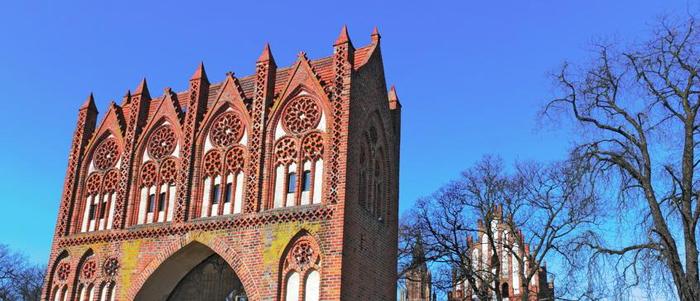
223 154
300 270
158 162
195 272
95 210
374 183
58 277
298 135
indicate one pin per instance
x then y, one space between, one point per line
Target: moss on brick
281 234
130 258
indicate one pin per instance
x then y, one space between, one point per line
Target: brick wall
357 259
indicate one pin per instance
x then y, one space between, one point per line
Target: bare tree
538 209
19 280
637 111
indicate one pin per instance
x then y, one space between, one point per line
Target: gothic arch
107 133
99 176
375 189
154 125
301 259
300 90
164 126
290 123
230 176
55 283
174 261
85 276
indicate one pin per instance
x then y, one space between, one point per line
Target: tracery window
86 278
110 268
372 184
97 209
157 176
298 154
301 277
223 166
59 280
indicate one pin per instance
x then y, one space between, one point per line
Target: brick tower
418 279
282 185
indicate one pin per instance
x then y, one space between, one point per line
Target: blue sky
471 75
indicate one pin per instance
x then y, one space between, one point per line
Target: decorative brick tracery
110 267
213 162
149 174
302 257
198 90
301 114
235 159
106 154
312 146
62 271
264 90
168 170
89 269
226 129
286 151
162 142
152 150
94 182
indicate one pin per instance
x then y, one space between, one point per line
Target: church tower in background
281 185
418 278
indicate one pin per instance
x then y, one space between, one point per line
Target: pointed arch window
87 274
59 279
99 193
300 273
223 165
373 181
157 176
298 154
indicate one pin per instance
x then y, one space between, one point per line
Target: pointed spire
200 73
89 103
344 37
126 99
142 90
392 94
375 35
266 54
393 98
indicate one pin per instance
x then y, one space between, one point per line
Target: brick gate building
282 185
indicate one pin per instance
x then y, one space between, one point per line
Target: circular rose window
111 266
162 142
62 271
301 114
227 129
89 269
106 154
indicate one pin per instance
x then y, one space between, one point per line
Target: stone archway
193 272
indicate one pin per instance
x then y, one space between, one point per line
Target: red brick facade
289 170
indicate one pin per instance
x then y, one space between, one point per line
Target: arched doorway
193 273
